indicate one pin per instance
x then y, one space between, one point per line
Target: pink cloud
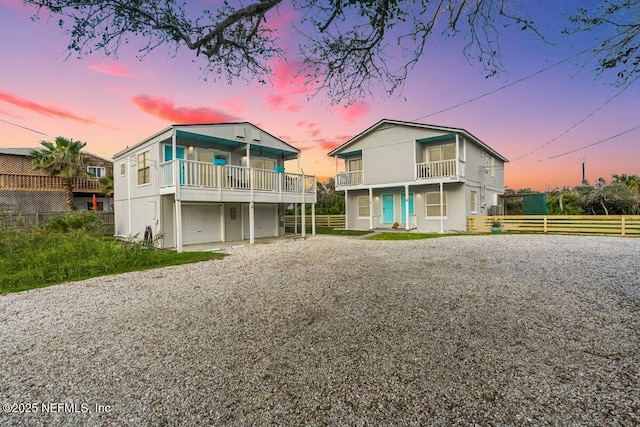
167 110
353 112
234 103
111 68
50 111
293 108
286 78
275 101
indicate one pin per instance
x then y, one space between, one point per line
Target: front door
388 215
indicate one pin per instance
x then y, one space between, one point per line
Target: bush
86 221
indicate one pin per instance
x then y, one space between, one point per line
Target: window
96 171
363 207
354 165
493 167
446 152
123 169
433 204
144 169
100 206
473 202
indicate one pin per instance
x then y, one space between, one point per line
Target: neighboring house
423 177
27 191
207 183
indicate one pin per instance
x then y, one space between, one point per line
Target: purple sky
111 104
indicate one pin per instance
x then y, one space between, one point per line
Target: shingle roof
17 151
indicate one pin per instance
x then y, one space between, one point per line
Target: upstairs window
123 169
144 168
96 171
354 165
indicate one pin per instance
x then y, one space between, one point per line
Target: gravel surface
488 330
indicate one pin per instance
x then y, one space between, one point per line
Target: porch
425 173
222 182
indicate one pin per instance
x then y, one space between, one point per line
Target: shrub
86 221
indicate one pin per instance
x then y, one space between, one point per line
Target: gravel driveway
501 329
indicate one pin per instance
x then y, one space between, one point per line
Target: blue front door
388 215
168 156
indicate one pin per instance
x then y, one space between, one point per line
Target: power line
592 144
24 127
491 92
575 125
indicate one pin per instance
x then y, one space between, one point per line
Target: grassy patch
41 258
341 232
407 236
337 231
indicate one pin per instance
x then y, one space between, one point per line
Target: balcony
347 179
48 183
439 169
203 180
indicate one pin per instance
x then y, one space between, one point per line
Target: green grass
407 236
336 231
41 258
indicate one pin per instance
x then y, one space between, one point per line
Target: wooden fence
331 221
612 225
22 221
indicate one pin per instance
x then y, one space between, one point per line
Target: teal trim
168 156
168 153
388 214
438 138
351 154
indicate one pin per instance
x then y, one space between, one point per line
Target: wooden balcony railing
47 183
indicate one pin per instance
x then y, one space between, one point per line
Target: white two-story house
200 184
422 177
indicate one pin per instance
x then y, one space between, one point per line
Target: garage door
200 224
265 220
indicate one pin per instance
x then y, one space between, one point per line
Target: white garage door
265 220
200 224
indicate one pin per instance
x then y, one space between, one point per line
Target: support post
223 227
370 208
441 208
313 219
406 207
303 224
178 223
346 209
252 223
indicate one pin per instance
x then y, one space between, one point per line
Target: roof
390 122
17 151
27 151
187 125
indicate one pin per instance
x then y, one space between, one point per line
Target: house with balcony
208 183
24 190
421 177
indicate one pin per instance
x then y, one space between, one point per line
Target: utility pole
584 179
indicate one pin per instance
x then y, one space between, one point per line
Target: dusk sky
111 104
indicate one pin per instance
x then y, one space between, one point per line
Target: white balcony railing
349 178
207 175
439 169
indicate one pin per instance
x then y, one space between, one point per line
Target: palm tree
107 185
631 181
61 159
